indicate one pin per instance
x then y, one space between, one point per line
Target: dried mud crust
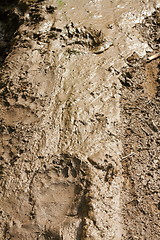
141 123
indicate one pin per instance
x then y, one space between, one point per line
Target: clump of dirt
150 29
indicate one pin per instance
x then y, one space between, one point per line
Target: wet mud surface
79 112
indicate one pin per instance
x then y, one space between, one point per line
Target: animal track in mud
93 39
89 37
57 193
82 37
67 166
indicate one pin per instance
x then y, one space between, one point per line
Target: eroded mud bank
79 120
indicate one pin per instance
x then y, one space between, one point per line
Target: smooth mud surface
79 112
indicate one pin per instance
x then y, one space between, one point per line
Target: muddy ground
79 112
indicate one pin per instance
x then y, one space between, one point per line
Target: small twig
132 153
150 58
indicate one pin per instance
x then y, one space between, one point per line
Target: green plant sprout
60 3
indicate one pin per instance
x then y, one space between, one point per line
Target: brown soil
79 112
140 103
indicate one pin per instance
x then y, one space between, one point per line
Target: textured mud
79 111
